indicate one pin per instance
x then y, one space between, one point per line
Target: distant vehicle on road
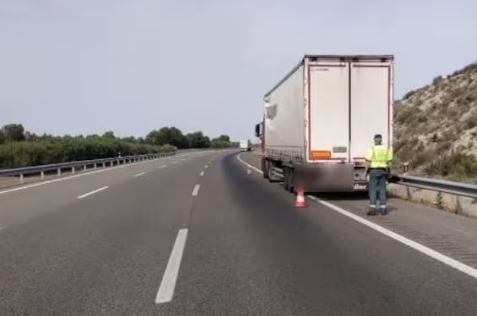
320 119
245 145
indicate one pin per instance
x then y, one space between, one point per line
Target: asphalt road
109 244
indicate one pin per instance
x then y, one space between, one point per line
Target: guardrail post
73 170
42 175
95 165
85 167
59 172
21 178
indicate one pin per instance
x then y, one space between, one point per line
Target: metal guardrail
456 188
75 166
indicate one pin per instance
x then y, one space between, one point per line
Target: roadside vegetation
436 127
20 148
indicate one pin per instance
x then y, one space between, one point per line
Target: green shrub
456 166
26 153
404 114
471 121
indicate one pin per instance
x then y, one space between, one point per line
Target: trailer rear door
371 101
328 111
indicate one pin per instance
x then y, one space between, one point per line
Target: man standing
379 161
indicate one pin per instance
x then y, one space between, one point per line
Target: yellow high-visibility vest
380 156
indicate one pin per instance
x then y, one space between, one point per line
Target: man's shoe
371 212
383 210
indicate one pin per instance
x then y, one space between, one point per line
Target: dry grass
436 127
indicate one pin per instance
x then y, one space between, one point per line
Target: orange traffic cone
300 199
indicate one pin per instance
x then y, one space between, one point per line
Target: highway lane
259 255
450 234
248 251
104 254
32 202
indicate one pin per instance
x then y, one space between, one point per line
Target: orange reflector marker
321 154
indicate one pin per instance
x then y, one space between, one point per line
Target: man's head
378 139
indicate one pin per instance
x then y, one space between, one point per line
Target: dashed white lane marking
92 192
169 279
195 191
202 173
139 174
406 241
206 166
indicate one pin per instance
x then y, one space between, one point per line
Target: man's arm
368 158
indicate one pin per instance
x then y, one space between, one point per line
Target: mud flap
324 177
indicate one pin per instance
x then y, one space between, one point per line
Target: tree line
21 148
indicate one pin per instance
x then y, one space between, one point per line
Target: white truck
245 145
320 119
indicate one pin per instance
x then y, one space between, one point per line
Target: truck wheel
291 180
265 168
286 178
269 171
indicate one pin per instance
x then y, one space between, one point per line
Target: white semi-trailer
245 145
319 121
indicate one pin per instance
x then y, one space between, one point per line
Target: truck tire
265 168
286 178
291 180
269 171
271 176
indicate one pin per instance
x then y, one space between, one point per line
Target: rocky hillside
436 127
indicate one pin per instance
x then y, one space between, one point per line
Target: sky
131 66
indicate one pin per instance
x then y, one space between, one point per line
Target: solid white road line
168 283
202 173
249 165
92 192
195 192
406 241
139 174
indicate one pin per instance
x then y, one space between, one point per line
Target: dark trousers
377 187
